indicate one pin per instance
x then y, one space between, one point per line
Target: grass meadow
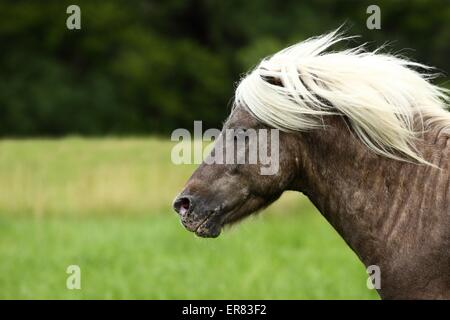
105 205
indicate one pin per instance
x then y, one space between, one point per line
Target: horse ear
272 80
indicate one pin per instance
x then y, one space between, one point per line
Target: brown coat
393 214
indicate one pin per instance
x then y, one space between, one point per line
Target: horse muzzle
195 218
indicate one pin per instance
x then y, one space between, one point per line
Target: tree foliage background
149 66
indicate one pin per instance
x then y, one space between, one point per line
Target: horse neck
364 196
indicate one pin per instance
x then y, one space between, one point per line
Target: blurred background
85 123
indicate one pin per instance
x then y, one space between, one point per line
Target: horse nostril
182 205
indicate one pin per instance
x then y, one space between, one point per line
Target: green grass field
104 205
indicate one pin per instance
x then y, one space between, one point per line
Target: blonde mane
388 100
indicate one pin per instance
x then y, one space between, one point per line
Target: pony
365 136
